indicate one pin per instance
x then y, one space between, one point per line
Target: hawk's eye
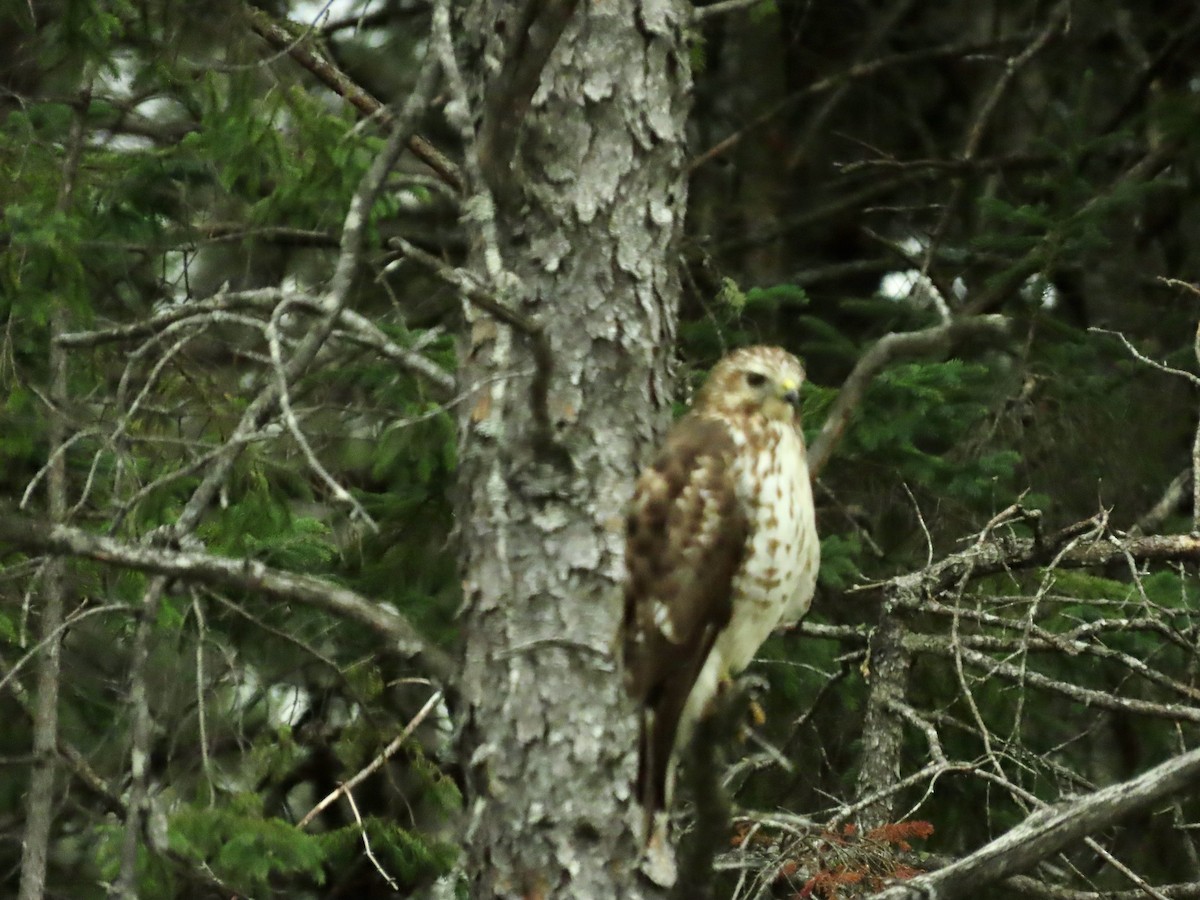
755 379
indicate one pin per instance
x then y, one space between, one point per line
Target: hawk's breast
778 573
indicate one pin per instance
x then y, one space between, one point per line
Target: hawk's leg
745 689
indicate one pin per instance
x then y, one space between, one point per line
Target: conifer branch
936 341
342 84
33 536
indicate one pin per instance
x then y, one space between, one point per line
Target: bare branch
246 575
475 294
355 228
1140 357
359 326
339 82
375 764
700 13
1171 500
1050 830
1087 696
1021 553
859 70
1057 21
938 340
293 424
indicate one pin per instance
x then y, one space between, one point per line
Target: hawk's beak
791 392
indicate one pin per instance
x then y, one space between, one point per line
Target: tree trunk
591 199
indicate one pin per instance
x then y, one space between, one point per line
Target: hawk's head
755 380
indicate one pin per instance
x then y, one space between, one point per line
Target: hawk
721 548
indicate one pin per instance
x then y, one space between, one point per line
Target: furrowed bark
587 230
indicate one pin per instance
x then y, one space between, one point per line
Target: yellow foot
757 715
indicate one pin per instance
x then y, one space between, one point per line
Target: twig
201 691
358 325
882 24
700 13
1140 357
1189 376
367 843
470 289
289 417
1171 500
357 216
50 638
1014 64
374 765
857 71
78 764
921 521
1091 697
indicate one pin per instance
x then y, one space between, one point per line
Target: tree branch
935 341
988 557
539 25
340 83
1050 830
475 294
251 576
359 326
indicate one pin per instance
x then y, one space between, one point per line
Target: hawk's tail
656 764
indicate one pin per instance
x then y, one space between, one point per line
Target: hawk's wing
685 540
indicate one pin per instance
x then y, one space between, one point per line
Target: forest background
332 338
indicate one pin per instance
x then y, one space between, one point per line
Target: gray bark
883 731
591 203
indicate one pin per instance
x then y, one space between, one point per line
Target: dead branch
374 765
935 341
357 326
1050 830
1172 499
535 33
855 72
1058 20
340 83
1007 553
250 576
474 293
